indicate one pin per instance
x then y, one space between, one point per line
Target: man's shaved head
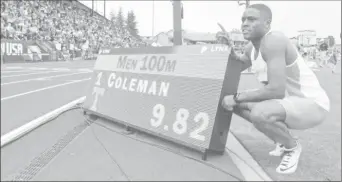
256 21
264 10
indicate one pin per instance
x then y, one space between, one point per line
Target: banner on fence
16 51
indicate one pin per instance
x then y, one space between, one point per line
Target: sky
203 16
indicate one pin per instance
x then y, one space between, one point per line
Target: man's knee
259 117
267 112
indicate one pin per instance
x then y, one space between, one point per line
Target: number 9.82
180 125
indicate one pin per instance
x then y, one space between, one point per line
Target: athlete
323 51
333 60
291 98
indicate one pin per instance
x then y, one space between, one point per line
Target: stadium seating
60 22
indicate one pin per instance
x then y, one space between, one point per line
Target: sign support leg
205 155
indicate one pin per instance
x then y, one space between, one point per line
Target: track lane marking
55 76
17 71
36 68
13 67
61 69
42 89
30 74
74 80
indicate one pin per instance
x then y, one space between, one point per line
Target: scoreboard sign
171 92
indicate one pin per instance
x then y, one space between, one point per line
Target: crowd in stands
61 22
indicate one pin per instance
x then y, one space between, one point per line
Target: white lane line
61 69
29 74
84 69
13 67
74 80
28 127
15 71
42 78
41 89
36 68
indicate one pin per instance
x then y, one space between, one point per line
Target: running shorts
305 112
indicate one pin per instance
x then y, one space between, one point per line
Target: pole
177 23
247 3
153 18
92 7
104 8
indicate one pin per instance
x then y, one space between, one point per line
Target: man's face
253 24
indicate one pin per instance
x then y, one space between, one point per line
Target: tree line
124 26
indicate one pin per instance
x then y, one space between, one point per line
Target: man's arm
273 50
244 58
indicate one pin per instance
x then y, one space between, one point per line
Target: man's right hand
224 38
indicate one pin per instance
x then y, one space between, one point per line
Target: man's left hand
228 102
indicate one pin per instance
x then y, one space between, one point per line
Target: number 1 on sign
98 82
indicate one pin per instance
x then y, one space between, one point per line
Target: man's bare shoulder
275 38
274 41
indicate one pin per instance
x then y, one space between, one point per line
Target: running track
29 91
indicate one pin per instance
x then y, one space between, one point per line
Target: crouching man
291 98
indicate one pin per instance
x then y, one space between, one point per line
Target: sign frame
223 117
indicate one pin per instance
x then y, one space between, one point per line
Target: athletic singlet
301 81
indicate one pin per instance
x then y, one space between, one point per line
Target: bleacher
59 25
